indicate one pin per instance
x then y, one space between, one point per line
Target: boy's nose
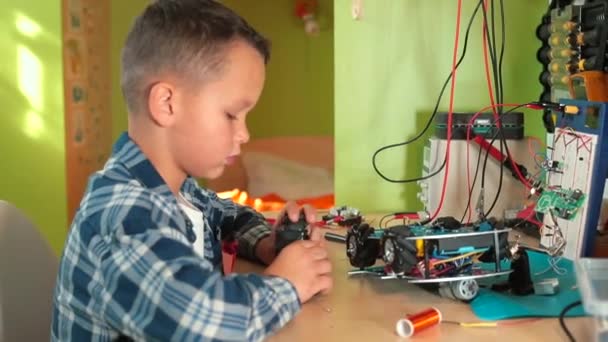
242 135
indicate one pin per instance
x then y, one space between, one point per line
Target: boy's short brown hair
182 37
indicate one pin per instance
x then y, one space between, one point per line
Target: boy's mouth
231 159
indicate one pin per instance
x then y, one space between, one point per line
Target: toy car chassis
450 257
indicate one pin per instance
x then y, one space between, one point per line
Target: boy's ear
160 103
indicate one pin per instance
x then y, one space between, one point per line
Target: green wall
389 69
122 15
32 171
298 95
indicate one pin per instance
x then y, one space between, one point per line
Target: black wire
562 315
498 87
430 121
479 157
502 48
491 42
500 97
472 185
491 39
490 48
383 218
493 53
502 168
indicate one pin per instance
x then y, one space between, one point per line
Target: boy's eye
231 116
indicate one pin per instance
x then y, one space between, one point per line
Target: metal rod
496 251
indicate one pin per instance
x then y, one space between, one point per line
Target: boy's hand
292 210
306 265
266 247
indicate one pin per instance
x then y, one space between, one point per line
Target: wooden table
364 308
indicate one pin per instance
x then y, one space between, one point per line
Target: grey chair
28 268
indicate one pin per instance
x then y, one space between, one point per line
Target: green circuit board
564 203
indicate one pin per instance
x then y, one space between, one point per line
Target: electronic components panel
574 191
573 42
576 151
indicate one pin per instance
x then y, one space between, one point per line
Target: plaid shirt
129 268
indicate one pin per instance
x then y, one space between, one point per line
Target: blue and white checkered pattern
129 268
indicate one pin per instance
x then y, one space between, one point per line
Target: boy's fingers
293 211
311 213
289 209
316 234
323 284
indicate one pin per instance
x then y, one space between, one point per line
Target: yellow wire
455 258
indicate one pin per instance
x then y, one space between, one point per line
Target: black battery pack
484 125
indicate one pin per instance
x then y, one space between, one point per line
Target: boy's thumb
316 234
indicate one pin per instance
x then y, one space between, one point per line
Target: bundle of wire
496 121
497 69
553 265
442 265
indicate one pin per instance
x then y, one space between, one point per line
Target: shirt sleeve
240 222
156 288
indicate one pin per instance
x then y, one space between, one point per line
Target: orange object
306 11
305 8
415 323
589 86
274 202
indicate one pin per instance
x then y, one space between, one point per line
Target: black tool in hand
335 237
288 231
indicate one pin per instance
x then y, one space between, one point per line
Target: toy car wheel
360 249
465 290
389 251
351 245
398 252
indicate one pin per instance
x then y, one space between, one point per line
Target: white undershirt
198 224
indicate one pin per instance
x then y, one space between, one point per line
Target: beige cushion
307 151
267 174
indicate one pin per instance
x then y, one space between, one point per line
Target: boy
143 259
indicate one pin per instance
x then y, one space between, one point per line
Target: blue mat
492 305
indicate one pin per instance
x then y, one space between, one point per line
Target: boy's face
210 126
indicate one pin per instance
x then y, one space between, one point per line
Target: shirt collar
128 153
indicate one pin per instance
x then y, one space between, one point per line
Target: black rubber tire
360 249
405 250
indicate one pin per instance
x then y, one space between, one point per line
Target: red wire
450 113
489 81
469 187
530 148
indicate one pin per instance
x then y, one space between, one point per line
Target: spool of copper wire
415 323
